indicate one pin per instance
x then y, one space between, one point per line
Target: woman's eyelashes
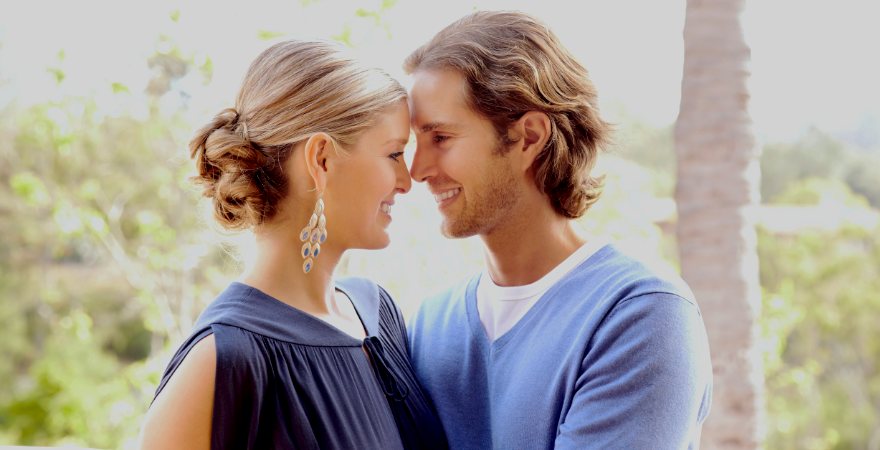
396 155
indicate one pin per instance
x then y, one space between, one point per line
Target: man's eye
439 138
394 156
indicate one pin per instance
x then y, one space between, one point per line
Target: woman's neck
277 270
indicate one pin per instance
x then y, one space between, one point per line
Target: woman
310 159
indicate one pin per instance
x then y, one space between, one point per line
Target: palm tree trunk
717 193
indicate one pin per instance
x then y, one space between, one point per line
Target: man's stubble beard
488 205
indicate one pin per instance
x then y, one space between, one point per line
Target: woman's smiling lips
385 208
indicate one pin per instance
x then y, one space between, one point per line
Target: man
562 341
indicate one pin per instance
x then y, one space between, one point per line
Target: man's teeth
385 208
443 196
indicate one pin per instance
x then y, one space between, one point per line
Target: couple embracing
562 341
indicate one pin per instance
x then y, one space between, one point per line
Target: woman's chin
377 243
376 238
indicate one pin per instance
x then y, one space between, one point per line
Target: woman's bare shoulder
180 417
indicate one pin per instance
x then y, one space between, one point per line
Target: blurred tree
363 21
822 350
815 191
104 263
820 305
717 188
822 155
650 147
370 20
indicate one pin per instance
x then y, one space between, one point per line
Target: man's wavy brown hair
512 63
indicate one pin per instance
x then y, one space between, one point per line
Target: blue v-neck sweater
613 356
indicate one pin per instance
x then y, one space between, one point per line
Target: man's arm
645 382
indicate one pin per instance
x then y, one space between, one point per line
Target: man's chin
451 229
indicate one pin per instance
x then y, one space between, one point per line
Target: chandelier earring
313 235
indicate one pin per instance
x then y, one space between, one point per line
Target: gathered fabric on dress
286 379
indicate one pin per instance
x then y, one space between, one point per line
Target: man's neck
530 245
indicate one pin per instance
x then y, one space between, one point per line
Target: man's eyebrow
437 125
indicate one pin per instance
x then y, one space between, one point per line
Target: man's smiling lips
446 195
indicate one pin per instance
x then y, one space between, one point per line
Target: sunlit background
105 260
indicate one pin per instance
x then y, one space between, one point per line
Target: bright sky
814 62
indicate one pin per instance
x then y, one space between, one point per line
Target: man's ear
318 149
534 127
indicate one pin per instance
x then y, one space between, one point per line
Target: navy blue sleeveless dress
288 380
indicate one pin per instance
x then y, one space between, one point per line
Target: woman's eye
394 156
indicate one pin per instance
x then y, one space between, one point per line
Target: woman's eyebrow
402 141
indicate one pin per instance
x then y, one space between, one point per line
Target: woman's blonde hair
292 90
512 63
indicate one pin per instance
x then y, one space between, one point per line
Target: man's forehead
437 100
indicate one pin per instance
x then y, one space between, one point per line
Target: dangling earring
314 234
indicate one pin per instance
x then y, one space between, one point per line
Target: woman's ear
318 148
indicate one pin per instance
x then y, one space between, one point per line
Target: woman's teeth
443 196
385 208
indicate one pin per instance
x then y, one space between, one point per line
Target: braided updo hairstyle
292 90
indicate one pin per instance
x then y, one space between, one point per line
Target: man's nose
423 164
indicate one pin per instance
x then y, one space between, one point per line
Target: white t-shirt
501 308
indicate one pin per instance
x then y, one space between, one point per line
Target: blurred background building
106 258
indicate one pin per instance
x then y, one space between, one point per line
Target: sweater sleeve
645 382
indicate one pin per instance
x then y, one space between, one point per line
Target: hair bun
291 91
228 169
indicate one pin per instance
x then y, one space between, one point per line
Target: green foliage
821 289
119 88
814 191
30 188
651 148
88 404
169 63
57 74
104 265
264 35
365 21
863 176
344 35
822 365
819 155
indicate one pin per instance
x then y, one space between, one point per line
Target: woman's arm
180 417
